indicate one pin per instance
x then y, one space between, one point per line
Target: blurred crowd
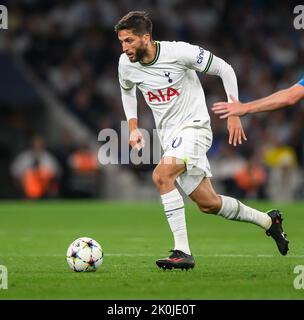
72 47
41 172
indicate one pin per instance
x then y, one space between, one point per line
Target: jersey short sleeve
301 82
193 56
122 72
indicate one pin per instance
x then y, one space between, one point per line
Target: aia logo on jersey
162 95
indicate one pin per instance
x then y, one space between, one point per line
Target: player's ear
147 38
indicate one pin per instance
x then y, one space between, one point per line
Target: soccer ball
84 254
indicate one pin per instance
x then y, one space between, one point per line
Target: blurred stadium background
59 88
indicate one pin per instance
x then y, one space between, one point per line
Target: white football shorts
191 145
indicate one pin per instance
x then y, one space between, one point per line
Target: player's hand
226 109
236 131
136 139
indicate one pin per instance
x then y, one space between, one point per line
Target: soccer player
165 73
277 100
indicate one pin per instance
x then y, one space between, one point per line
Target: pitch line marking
206 255
216 255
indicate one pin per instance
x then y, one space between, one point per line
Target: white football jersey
170 86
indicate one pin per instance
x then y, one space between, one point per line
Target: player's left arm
199 59
219 67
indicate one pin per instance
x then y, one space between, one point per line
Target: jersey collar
156 56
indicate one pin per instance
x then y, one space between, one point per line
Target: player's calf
210 206
206 198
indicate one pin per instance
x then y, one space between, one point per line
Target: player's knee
211 206
161 178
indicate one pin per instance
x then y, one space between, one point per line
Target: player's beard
139 53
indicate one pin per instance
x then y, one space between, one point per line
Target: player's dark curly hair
136 21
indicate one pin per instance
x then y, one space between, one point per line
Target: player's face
134 46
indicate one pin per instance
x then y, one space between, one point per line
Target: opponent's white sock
233 209
174 209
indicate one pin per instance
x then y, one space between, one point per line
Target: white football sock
174 209
233 209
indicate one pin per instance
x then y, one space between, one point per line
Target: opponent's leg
164 177
210 202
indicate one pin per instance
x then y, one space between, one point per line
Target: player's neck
151 53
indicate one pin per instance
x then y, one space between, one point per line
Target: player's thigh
168 168
205 197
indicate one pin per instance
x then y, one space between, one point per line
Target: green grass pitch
234 260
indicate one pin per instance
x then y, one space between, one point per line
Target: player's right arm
277 100
129 102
